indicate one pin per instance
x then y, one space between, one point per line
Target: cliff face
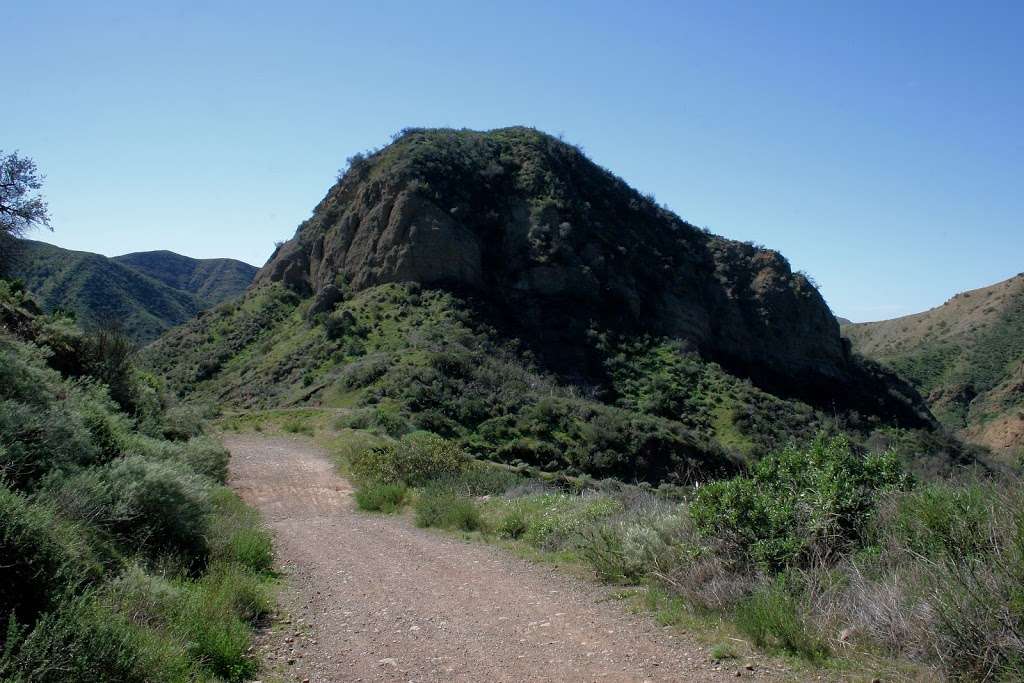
555 246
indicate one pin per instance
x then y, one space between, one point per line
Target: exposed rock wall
558 246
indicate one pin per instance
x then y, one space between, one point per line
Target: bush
798 504
295 425
550 521
380 497
86 641
148 506
43 558
481 479
443 508
384 419
236 534
208 618
232 586
974 575
205 456
602 547
512 525
770 617
117 494
338 323
415 459
941 519
38 439
108 357
181 423
650 538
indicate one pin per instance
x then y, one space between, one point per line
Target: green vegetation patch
125 557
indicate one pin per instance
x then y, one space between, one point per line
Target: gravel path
371 598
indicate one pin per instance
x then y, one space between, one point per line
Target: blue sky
879 146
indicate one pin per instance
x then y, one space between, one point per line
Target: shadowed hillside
146 293
966 357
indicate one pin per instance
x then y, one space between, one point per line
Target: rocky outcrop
555 247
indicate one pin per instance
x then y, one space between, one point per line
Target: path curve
372 598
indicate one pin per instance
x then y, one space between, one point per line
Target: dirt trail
372 598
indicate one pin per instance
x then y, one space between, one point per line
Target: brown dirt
371 598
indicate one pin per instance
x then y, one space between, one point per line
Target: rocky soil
371 598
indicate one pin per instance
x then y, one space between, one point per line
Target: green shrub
603 549
443 508
942 519
339 323
37 439
972 574
480 479
650 537
86 641
148 506
24 375
384 419
43 558
117 494
512 525
235 587
205 456
550 521
380 497
415 459
798 504
296 426
236 534
108 357
723 651
208 618
771 618
180 423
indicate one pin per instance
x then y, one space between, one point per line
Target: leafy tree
21 207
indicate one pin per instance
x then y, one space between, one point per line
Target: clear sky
878 145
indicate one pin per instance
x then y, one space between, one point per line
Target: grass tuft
446 509
770 617
381 497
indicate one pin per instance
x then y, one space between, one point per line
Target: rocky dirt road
371 598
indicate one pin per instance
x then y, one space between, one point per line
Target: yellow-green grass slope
966 357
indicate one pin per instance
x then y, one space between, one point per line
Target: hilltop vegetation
553 248
125 558
967 359
144 293
498 288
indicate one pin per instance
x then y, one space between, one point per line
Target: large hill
501 288
146 293
966 356
210 280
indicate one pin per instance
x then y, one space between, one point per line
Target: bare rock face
555 247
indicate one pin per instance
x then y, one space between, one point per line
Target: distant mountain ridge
145 292
210 280
966 357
